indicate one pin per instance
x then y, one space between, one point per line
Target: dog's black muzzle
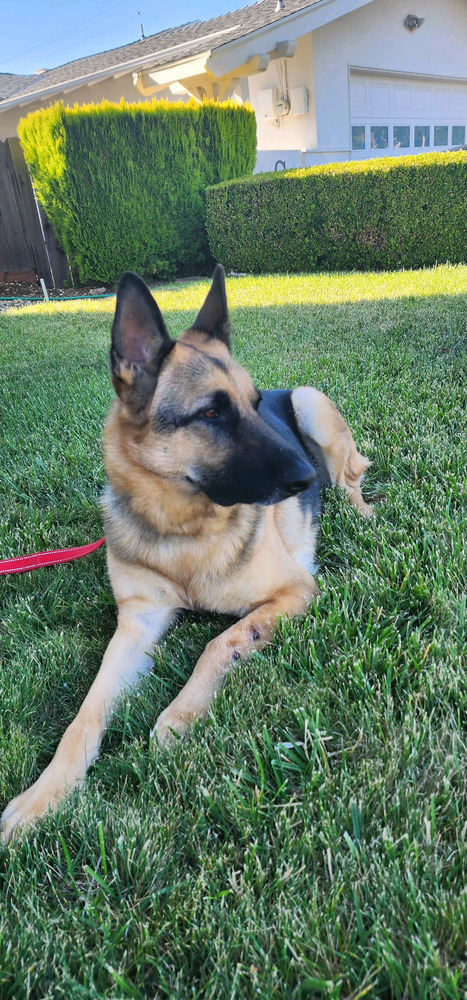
264 470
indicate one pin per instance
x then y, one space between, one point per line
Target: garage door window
441 135
358 137
422 135
401 136
458 135
379 136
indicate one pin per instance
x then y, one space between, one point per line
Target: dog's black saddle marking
276 410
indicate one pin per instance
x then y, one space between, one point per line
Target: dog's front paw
30 806
19 813
170 726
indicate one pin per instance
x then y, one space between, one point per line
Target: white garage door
402 115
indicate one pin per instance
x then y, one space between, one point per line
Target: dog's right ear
140 343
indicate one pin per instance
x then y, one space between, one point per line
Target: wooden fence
28 245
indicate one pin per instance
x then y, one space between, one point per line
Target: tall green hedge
124 184
385 213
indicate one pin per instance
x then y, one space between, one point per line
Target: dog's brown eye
210 414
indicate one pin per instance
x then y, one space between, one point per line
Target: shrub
373 214
124 184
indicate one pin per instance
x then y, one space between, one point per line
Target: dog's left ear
213 317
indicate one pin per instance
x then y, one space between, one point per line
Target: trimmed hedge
124 184
389 213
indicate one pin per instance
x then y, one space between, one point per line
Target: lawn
309 838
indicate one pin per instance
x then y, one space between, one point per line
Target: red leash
22 563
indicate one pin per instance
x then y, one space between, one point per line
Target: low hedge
389 213
124 184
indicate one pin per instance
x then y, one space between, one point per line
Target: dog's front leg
127 656
225 651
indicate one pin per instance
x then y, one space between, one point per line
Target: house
328 79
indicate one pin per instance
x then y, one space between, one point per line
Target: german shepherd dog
212 503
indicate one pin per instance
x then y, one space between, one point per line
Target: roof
163 48
11 82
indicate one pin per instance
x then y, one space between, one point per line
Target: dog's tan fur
169 547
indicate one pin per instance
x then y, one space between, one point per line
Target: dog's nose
299 486
300 479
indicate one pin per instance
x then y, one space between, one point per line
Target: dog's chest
228 572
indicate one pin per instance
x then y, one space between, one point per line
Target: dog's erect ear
213 317
140 342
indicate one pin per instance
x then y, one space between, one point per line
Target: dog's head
190 411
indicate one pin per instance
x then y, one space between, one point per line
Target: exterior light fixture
412 21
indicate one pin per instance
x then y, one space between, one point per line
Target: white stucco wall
290 132
374 37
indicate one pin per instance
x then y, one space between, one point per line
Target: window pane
401 136
358 137
441 135
379 136
458 135
422 135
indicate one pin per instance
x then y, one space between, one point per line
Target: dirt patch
15 292
20 293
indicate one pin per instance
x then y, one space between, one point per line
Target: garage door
403 115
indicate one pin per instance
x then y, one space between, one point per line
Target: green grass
237 866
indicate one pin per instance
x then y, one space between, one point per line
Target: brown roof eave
70 85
